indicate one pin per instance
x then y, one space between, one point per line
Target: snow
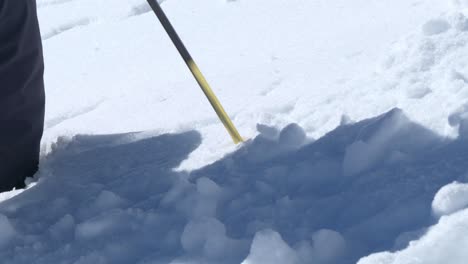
446 242
292 136
355 116
450 199
7 230
95 189
435 27
328 246
269 247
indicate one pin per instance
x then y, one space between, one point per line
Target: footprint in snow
65 27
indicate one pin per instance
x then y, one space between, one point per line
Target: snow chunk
329 246
362 155
460 118
292 135
206 236
459 4
450 199
63 227
460 22
435 27
208 194
108 200
268 131
269 247
269 145
208 187
445 242
7 231
102 226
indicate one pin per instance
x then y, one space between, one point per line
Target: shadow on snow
118 199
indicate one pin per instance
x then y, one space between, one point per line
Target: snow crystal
450 198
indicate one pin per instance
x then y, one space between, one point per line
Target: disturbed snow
326 189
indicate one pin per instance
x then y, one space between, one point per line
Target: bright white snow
444 243
451 198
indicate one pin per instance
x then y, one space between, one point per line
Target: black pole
196 71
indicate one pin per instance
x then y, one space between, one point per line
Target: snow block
268 247
268 131
108 200
292 135
206 237
63 228
328 246
384 138
7 231
206 198
450 199
459 118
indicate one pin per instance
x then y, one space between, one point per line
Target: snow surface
356 116
444 243
451 198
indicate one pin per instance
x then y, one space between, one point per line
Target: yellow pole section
236 137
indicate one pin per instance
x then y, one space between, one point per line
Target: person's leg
21 92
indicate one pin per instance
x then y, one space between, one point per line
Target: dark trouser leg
21 92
